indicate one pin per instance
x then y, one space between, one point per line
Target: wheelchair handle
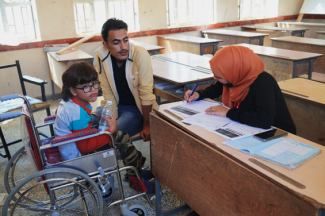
10 115
9 97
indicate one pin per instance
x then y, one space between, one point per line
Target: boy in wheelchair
80 86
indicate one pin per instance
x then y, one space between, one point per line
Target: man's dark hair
112 24
77 73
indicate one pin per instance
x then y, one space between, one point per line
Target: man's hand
145 133
217 110
194 97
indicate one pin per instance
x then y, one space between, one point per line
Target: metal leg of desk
301 33
310 70
214 46
153 52
201 49
158 203
158 100
53 90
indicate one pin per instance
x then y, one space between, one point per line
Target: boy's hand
112 124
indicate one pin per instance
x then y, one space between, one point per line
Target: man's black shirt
122 87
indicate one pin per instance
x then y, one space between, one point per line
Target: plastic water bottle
107 111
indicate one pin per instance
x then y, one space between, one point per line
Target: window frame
107 14
5 24
214 9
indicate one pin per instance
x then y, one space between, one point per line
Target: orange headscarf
238 65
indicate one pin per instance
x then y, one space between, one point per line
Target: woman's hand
112 124
194 97
217 110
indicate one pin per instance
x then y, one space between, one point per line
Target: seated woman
80 86
253 95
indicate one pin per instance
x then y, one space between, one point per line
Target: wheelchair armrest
44 124
50 119
34 80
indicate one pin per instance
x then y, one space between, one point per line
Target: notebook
288 153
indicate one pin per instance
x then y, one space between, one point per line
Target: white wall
289 7
56 21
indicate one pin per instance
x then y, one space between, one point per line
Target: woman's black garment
263 107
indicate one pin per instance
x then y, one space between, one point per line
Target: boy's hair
77 73
112 24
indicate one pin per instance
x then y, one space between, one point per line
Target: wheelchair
39 182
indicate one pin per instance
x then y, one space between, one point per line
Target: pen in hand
193 91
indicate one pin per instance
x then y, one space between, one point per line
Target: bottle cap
109 103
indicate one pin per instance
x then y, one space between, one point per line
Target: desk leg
294 72
158 202
214 49
53 90
201 49
311 64
158 100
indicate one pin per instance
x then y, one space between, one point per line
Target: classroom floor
11 130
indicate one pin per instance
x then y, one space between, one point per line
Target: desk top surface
181 67
279 53
147 46
300 40
273 28
71 55
303 23
234 33
305 89
311 174
190 39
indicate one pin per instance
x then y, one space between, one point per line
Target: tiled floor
11 129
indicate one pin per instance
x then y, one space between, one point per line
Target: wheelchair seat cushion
53 155
74 136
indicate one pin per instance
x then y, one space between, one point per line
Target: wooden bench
274 31
181 69
284 64
303 44
214 179
306 102
313 27
320 34
235 37
152 49
195 45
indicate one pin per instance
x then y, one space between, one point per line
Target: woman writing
252 95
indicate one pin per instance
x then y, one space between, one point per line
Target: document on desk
288 153
209 122
235 130
190 109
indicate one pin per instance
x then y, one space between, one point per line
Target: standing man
126 77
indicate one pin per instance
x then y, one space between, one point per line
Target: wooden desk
196 45
303 44
284 64
180 68
152 49
235 37
59 63
274 31
214 179
320 34
313 27
306 102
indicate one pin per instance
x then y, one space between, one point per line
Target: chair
16 104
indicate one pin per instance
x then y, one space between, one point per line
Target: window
257 9
90 15
17 18
184 12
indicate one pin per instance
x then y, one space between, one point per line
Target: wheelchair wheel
138 209
18 168
51 195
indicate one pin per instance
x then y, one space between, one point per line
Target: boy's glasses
87 88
